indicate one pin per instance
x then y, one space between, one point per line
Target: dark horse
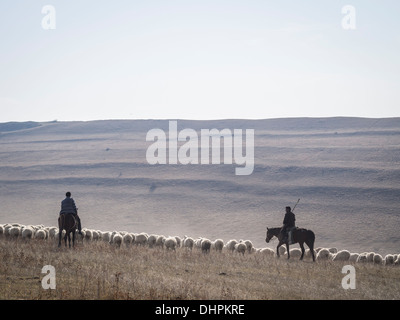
67 222
299 235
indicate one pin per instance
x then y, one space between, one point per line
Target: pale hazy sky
203 59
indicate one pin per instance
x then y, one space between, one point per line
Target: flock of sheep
119 238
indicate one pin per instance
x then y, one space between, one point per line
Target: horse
67 222
299 235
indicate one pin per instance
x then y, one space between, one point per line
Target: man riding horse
288 224
68 207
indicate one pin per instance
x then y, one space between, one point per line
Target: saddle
290 234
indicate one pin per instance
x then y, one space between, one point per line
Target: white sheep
308 254
27 233
188 242
141 239
14 231
362 258
151 240
354 257
127 239
323 254
52 232
295 253
267 252
116 240
249 245
389 259
178 241
105 236
40 234
170 243
342 255
240 248
282 250
333 250
197 243
370 256
88 234
218 245
230 245
397 262
95 235
378 259
205 245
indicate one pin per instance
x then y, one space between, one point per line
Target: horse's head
270 234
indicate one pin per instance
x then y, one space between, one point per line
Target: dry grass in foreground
100 271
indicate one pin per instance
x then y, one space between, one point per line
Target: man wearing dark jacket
288 222
68 207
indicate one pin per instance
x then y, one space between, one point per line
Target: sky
190 59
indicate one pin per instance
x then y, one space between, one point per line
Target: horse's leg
302 250
69 240
59 237
287 249
73 239
277 249
310 244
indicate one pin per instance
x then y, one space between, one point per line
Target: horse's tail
61 221
311 236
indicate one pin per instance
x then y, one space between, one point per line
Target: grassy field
96 271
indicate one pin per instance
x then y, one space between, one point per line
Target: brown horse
299 236
67 222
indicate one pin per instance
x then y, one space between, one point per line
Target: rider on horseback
68 207
288 223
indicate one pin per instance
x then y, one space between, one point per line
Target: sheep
267 251
362 258
333 250
353 257
141 239
27 233
7 228
295 253
14 231
282 250
1 230
205 245
95 235
240 248
230 245
377 259
40 234
52 232
88 234
389 259
127 239
106 236
116 240
170 243
342 255
218 245
249 245
197 243
323 254
370 256
397 262
178 241
308 254
188 242
151 240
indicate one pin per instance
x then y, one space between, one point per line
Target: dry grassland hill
345 171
